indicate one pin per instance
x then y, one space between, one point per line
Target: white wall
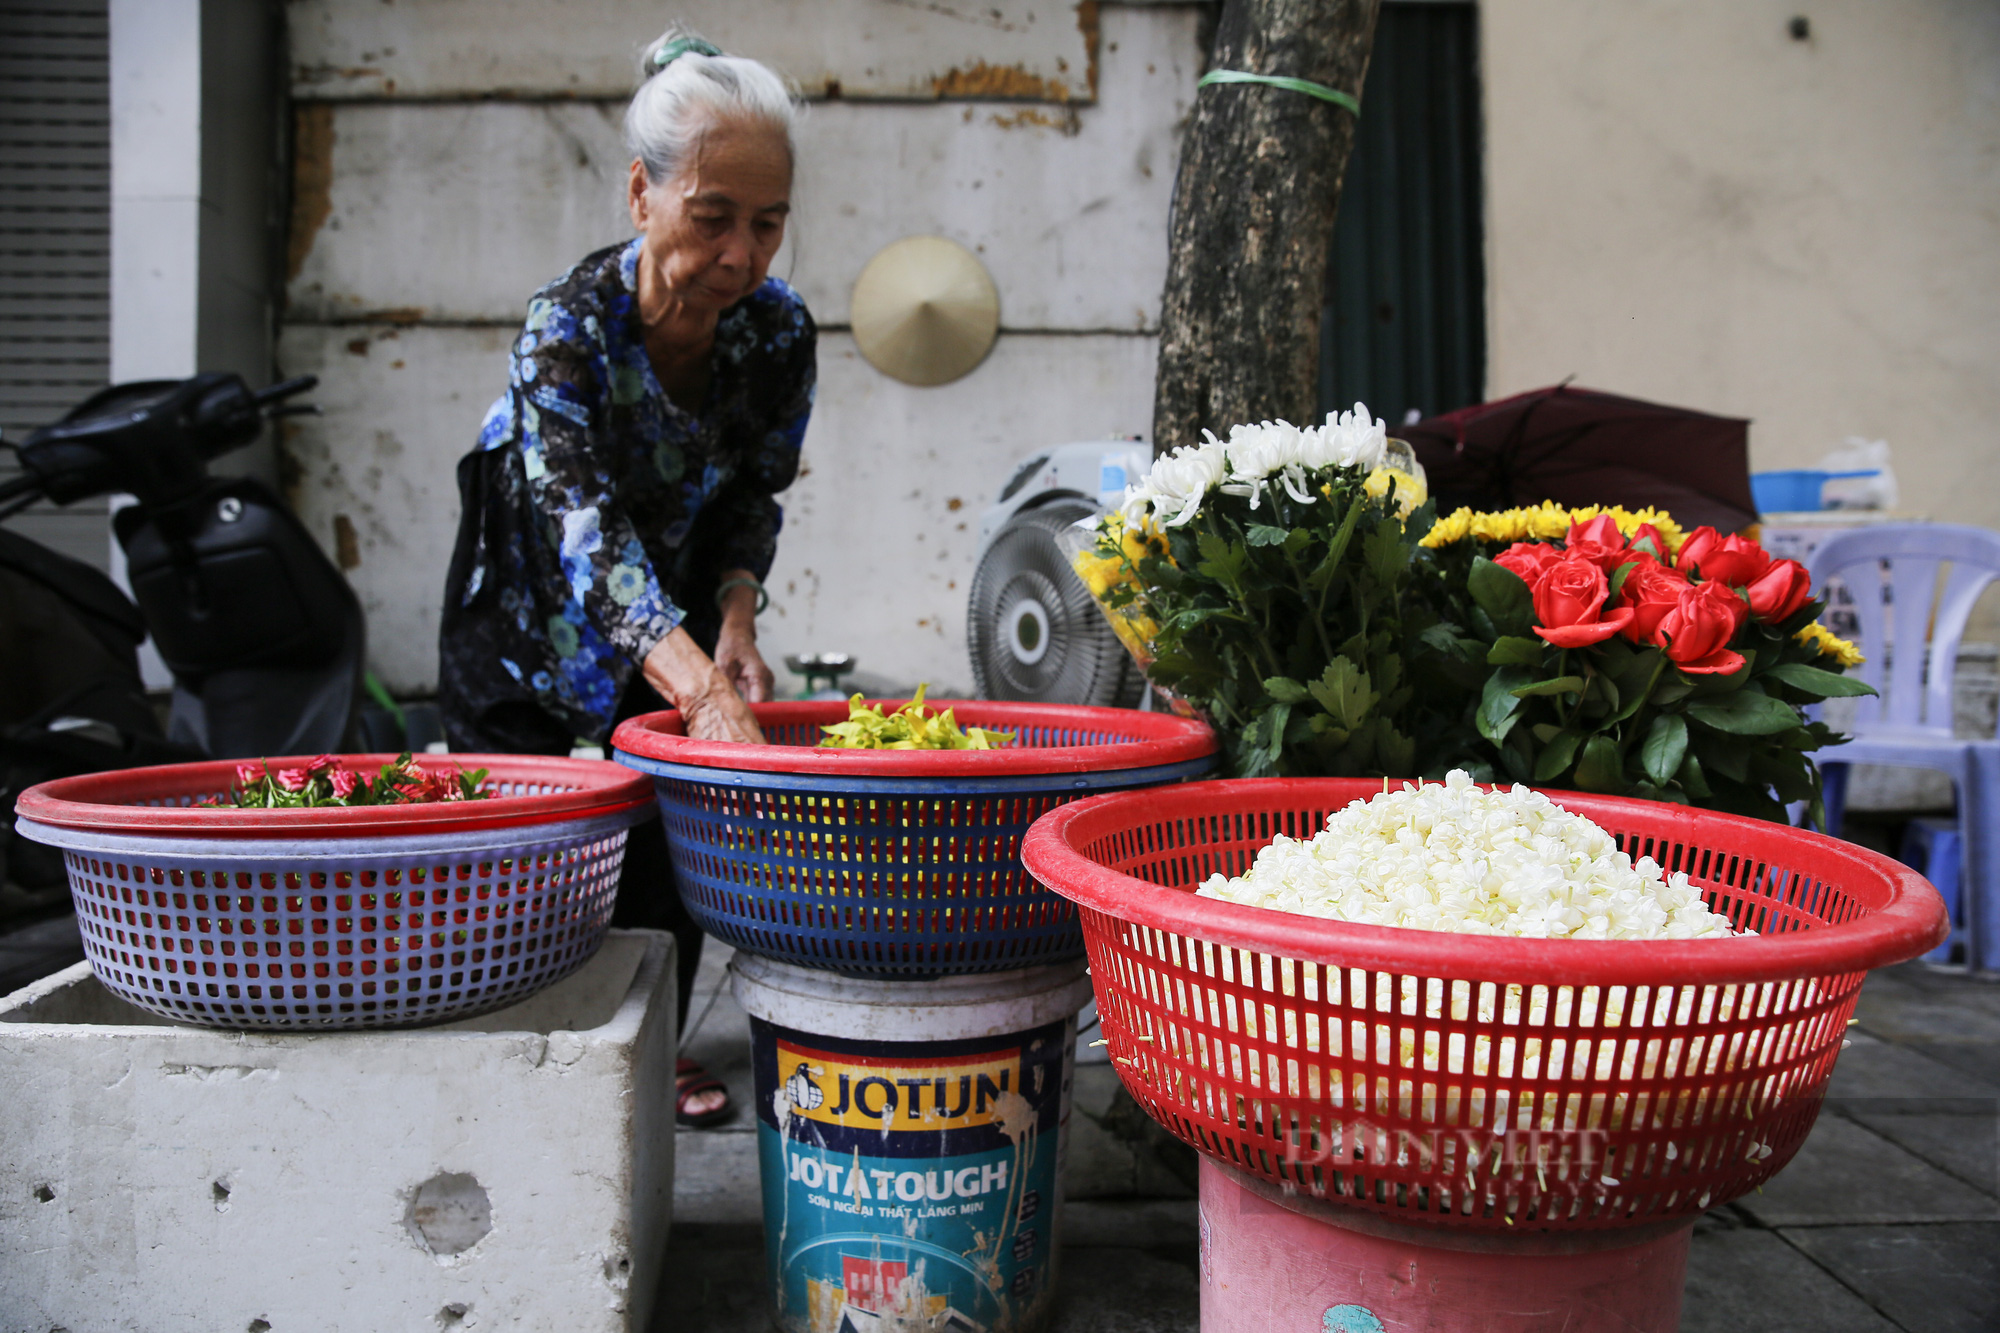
441 214
1687 204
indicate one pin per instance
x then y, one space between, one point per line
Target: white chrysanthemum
1271 453
1173 490
1448 856
1350 439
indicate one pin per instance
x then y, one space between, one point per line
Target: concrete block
510 1171
850 48
877 554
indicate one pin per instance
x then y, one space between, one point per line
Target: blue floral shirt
597 514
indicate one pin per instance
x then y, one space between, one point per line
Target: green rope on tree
1306 86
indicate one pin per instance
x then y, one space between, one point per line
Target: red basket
1465 1080
902 863
338 917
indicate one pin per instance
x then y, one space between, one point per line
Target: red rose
1528 559
1733 560
1646 534
1569 601
1598 541
1780 590
344 783
1651 590
293 779
1696 633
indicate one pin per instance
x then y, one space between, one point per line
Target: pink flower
344 783
249 773
293 779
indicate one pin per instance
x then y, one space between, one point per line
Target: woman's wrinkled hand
710 707
736 656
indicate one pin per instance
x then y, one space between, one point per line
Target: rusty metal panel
879 532
459 210
1030 50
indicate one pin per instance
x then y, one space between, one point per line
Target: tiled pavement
1888 1219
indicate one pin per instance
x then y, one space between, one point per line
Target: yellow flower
1410 492
1545 522
1830 644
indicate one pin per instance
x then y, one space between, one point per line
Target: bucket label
910 1185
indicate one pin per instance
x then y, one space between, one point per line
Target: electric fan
1034 630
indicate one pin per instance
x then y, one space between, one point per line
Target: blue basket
836 859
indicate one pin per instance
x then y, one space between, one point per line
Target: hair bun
669 52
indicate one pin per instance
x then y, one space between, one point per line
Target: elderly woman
618 514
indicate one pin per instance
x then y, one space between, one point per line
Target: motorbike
263 636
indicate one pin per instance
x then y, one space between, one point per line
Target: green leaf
1395 753
1745 713
1559 685
1513 650
1498 705
1445 639
1344 691
1263 534
1721 756
1664 748
1501 594
1285 690
1825 684
1336 549
1691 779
1555 758
1618 577
1598 769
1384 551
1274 727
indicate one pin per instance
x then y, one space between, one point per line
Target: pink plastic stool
1277 1264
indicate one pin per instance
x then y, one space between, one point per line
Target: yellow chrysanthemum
1544 522
1830 644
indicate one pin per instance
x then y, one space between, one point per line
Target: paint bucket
1272 1260
910 1140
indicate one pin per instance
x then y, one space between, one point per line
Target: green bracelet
1306 86
741 581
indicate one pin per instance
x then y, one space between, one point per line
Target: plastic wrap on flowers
1105 554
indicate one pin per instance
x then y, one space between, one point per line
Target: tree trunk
1253 217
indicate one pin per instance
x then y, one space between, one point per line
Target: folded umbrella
1580 447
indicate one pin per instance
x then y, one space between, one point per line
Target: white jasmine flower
1448 856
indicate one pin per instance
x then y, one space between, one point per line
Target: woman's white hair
693 89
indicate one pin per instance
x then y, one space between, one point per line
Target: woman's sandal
690 1080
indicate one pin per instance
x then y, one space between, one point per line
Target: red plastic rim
157 801
1144 740
1909 918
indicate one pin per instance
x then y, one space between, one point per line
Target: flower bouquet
1611 651
1293 586
1263 581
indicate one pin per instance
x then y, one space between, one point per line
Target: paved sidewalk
1889 1218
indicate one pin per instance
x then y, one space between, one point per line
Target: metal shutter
55 233
1405 318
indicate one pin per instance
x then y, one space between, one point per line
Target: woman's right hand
709 705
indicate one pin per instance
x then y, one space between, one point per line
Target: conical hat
924 310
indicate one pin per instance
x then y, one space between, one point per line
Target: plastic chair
1910 724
